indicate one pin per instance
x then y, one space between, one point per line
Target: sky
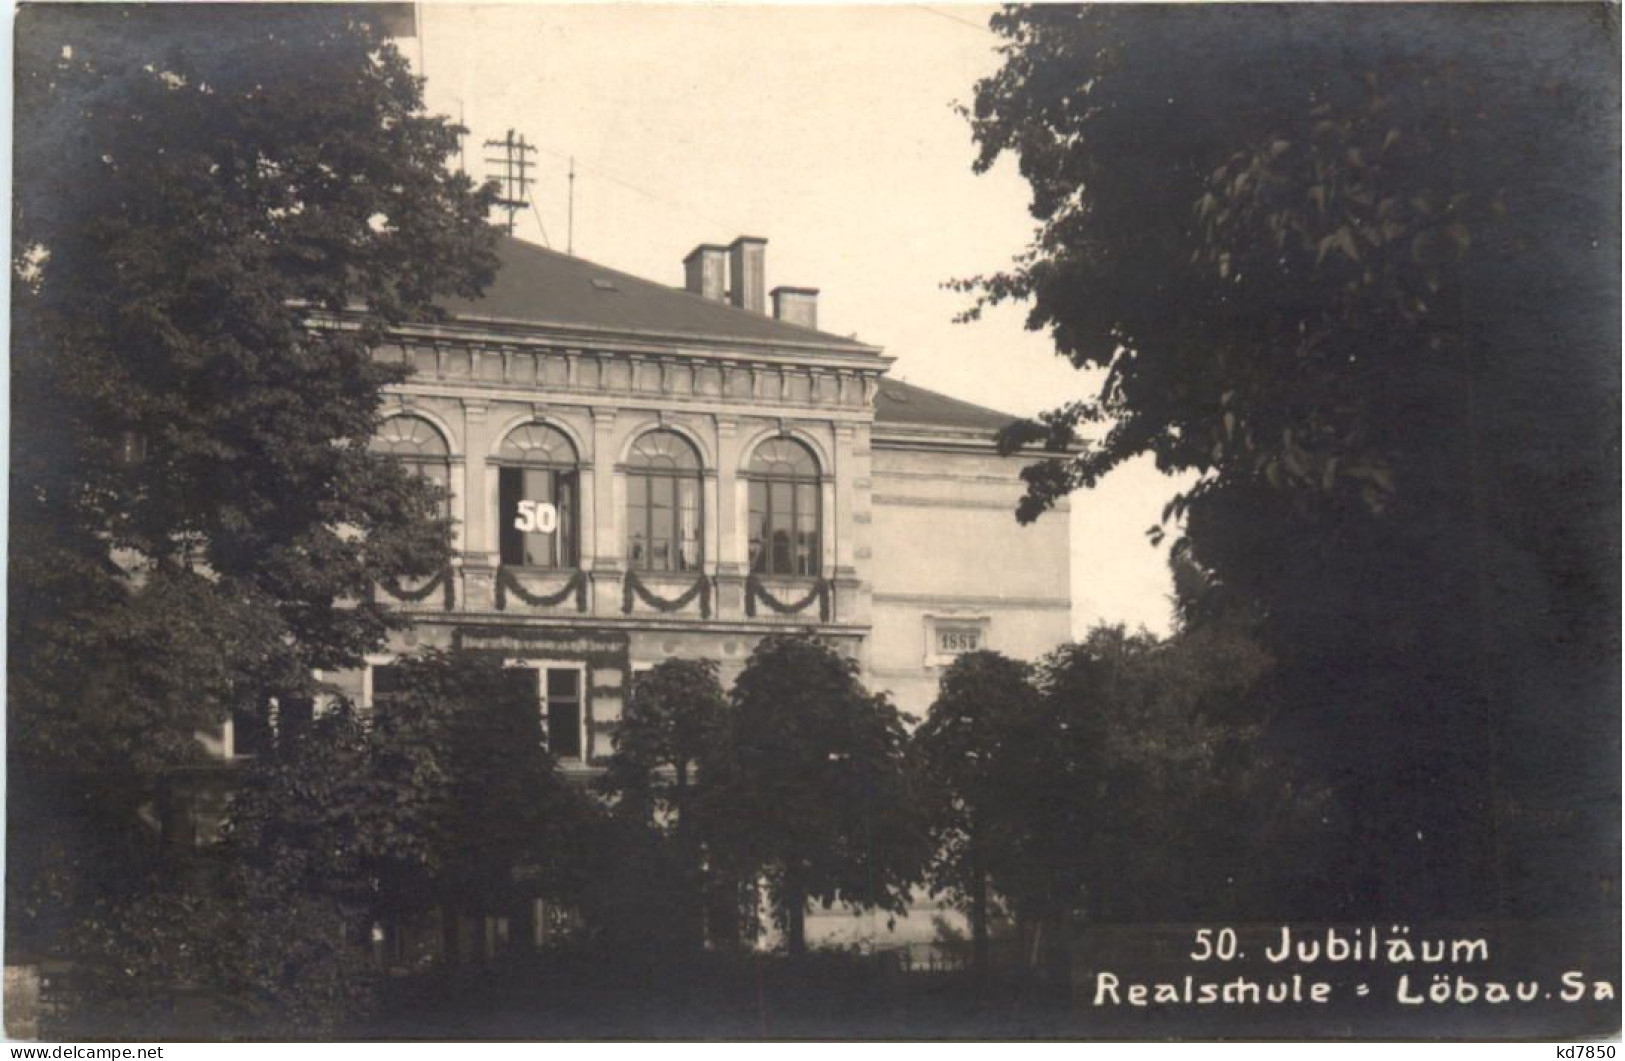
831 131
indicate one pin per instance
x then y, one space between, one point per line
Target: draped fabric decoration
443 580
756 592
507 583
634 587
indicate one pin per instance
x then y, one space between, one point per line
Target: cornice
496 331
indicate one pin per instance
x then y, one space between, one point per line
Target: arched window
663 519
417 444
538 484
784 509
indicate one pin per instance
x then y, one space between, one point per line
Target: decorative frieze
677 376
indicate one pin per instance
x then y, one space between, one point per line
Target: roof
535 285
902 404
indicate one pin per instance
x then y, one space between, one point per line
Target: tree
484 825
984 700
1131 793
815 792
672 724
247 959
195 516
1188 801
1295 246
445 799
672 727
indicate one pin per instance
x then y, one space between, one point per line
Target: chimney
705 271
796 305
747 261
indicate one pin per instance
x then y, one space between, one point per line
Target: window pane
689 527
386 679
807 529
564 730
250 733
294 714
662 524
510 491
566 500
781 525
440 475
564 713
539 545
523 682
758 526
523 689
563 684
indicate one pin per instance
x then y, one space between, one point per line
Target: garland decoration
442 580
756 591
507 583
634 586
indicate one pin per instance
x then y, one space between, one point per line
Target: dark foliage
972 774
195 517
815 793
669 737
1359 268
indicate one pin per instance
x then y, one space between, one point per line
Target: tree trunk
1059 955
693 891
796 920
981 966
448 934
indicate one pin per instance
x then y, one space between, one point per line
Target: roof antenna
570 233
515 182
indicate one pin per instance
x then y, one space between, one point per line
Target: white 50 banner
537 517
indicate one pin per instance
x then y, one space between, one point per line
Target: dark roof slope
540 286
905 405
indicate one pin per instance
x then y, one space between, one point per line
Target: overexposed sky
829 131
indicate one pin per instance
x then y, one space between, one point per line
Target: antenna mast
513 176
570 233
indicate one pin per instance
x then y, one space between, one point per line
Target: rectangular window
250 733
528 537
439 475
784 528
806 529
758 526
564 736
294 714
689 524
559 698
663 523
386 685
637 520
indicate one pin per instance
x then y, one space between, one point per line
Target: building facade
638 472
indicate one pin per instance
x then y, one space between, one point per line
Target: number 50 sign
537 517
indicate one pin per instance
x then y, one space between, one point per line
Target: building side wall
952 560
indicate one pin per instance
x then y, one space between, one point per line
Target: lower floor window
559 698
557 691
250 732
387 683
